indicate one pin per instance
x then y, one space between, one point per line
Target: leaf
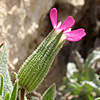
95 55
88 71
14 92
7 96
90 83
1 86
62 88
50 93
85 83
7 86
97 98
71 68
96 80
35 98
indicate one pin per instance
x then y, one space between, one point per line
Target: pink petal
75 35
68 23
53 17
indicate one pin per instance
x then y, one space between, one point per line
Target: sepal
36 67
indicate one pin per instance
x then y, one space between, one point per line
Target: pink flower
74 35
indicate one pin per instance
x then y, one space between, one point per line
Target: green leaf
7 85
62 88
95 55
85 83
15 74
96 80
50 93
36 67
14 92
89 72
1 86
35 98
71 68
97 98
7 96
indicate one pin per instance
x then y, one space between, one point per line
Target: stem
22 93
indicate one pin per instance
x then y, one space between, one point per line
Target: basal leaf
50 93
7 86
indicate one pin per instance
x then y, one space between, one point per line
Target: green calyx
36 67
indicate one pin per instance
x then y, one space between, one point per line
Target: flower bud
36 67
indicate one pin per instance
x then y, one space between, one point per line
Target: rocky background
25 23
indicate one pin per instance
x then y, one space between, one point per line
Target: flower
74 35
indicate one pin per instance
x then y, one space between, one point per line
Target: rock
19 25
69 8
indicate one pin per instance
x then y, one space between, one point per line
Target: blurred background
25 23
